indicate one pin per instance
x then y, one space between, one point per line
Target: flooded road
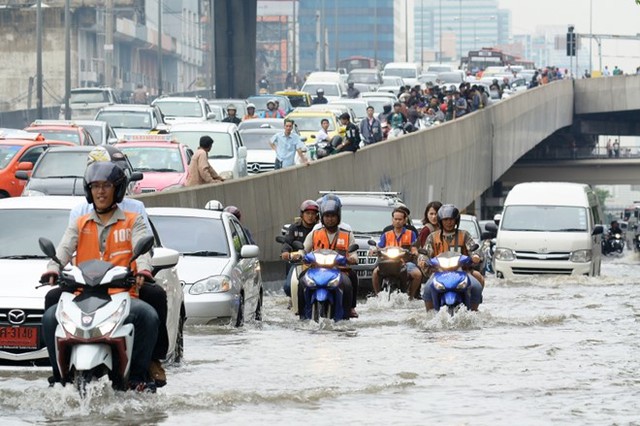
559 350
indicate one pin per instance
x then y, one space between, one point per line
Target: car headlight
580 256
213 284
226 175
32 193
504 254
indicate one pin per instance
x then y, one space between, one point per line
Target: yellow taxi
296 97
308 123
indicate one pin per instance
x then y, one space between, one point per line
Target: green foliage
603 194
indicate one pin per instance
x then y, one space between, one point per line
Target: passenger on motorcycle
400 236
429 222
298 231
98 235
450 238
331 236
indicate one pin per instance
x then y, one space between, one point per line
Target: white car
219 268
228 156
22 262
132 119
185 109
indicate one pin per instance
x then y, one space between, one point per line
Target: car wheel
258 314
4 194
240 317
179 350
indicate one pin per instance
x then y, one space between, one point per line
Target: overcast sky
621 17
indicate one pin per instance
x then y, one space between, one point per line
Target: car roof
205 125
44 202
184 211
260 130
127 107
373 199
172 145
71 148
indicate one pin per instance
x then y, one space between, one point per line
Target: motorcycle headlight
66 322
393 252
213 284
108 325
504 254
334 282
438 286
580 256
618 236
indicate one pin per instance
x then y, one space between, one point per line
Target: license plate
19 337
364 273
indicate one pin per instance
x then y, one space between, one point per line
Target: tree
638 2
603 194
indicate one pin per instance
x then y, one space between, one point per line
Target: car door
247 269
30 155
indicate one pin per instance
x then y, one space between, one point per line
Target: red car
60 130
163 161
20 150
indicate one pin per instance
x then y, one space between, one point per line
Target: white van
549 228
407 70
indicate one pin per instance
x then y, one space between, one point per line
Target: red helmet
309 205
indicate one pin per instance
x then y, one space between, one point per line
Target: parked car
470 224
85 102
184 109
25 219
219 268
60 170
61 131
20 151
228 156
130 119
163 162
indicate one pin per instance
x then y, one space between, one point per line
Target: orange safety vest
440 245
118 248
404 241
340 241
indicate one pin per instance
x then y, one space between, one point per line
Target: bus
353 62
478 60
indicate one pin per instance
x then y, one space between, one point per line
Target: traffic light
571 42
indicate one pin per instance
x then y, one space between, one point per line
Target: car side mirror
22 175
249 251
211 116
112 141
303 138
136 176
598 230
491 227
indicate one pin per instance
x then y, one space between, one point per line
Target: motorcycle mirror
353 247
47 248
297 245
474 247
371 242
143 246
280 239
422 252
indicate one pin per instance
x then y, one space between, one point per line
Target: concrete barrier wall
607 94
454 162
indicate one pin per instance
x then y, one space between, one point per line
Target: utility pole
212 50
293 61
375 32
335 28
406 31
590 38
39 59
108 43
440 33
67 59
159 47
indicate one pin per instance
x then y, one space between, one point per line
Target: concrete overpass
455 162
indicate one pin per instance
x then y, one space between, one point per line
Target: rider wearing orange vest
400 236
108 233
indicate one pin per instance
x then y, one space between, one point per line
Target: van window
544 218
402 72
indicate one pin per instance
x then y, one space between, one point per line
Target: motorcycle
295 277
323 297
614 243
91 338
449 279
392 269
636 242
488 248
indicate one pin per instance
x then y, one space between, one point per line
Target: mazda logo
17 316
255 167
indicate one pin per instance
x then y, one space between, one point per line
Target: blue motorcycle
450 280
323 296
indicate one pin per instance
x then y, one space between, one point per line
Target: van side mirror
597 230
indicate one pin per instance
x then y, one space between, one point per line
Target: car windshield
392 80
311 124
256 140
59 135
54 164
544 218
180 108
88 96
260 102
329 89
126 119
363 77
154 159
21 229
401 72
222 146
178 233
450 77
378 104
7 152
367 220
470 227
360 108
438 68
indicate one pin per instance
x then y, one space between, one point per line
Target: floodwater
556 350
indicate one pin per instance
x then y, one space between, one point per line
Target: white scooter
91 338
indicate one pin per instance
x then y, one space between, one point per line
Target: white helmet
214 205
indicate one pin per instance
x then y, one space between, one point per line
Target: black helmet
105 172
448 211
309 205
233 210
330 206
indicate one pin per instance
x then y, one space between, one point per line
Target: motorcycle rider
153 294
450 238
271 111
400 236
298 231
97 235
331 236
614 229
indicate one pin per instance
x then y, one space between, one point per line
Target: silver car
219 268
